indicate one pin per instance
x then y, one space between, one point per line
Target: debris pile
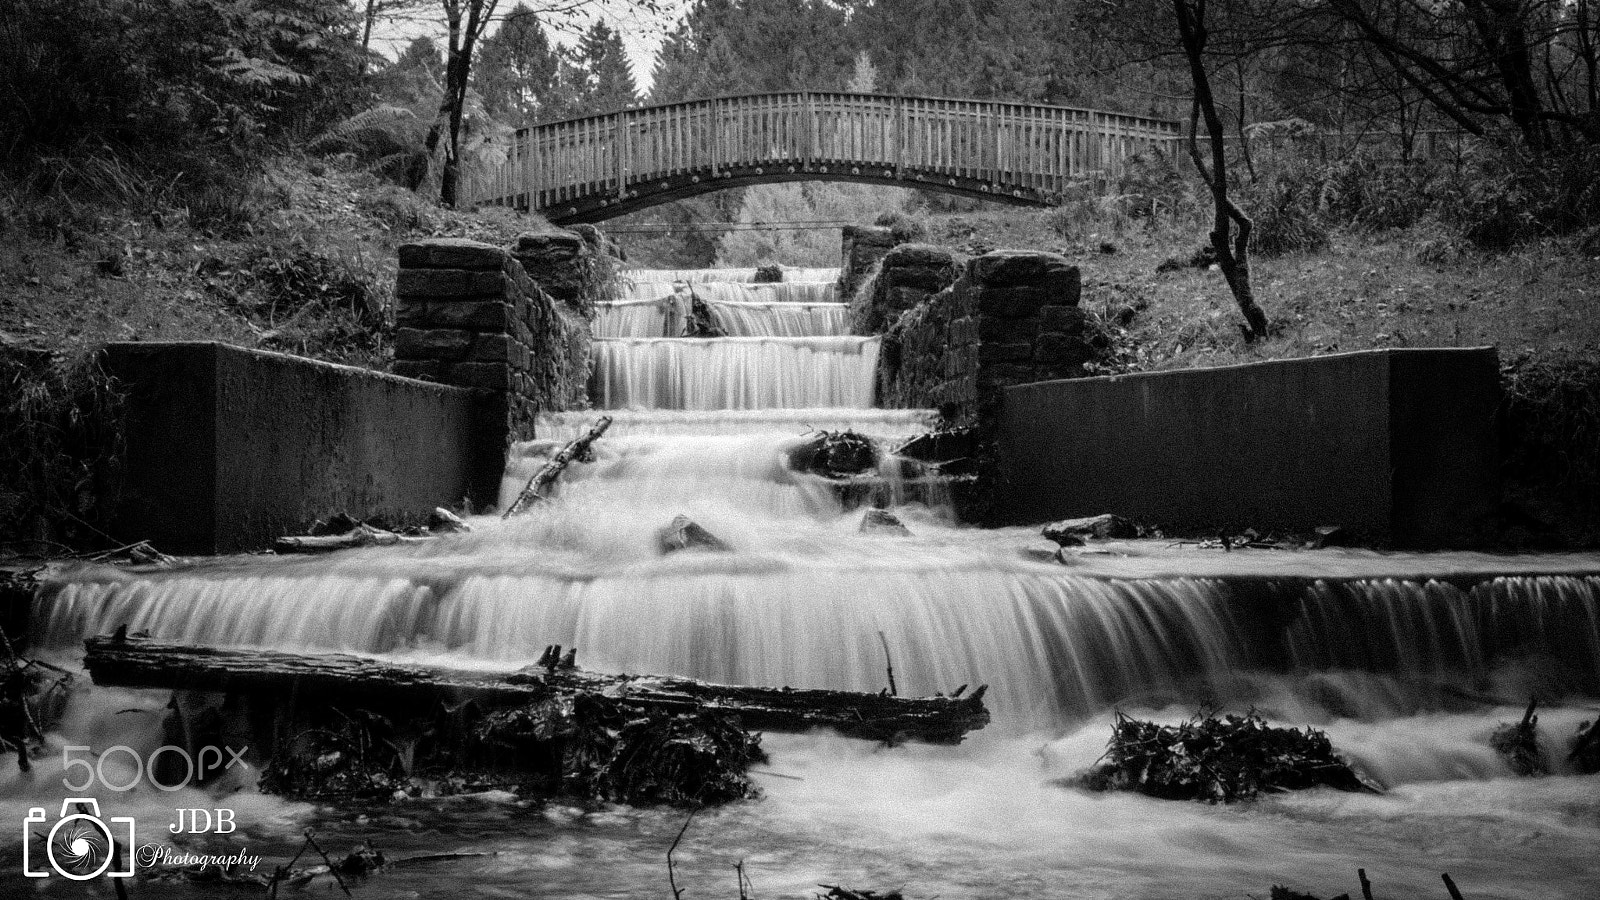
835 454
1217 760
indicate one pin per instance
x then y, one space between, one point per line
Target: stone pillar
1028 321
574 266
863 247
1013 317
907 275
462 311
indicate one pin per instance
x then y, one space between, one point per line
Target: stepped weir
1407 660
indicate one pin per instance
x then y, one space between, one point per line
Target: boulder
683 533
881 521
1071 532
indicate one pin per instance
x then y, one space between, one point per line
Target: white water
643 319
734 373
736 292
1409 674
889 425
668 276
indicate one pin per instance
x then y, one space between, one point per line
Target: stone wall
468 314
1011 318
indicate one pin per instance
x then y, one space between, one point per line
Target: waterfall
804 606
668 276
734 373
643 319
888 425
738 292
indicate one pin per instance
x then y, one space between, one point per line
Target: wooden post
622 144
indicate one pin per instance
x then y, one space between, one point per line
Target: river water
1408 661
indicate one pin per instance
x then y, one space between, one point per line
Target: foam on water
734 373
644 319
668 276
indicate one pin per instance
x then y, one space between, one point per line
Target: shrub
1508 198
179 93
60 439
1361 192
1284 208
906 229
1550 436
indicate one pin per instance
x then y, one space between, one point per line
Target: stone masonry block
1012 268
492 348
1005 373
435 343
993 328
1068 319
444 284
487 375
1013 302
1057 349
410 311
919 255
1005 353
451 253
929 278
556 240
480 315
902 298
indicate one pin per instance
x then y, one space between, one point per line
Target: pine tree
609 77
518 71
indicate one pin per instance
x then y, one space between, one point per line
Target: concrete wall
228 448
1399 445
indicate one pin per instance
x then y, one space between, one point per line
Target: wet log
362 535
142 663
575 449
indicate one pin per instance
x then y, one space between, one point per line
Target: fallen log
552 470
363 535
143 663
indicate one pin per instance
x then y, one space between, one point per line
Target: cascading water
734 373
787 347
1408 673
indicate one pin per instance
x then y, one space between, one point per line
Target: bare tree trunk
368 18
1241 122
1230 232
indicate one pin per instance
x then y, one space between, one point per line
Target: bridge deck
602 166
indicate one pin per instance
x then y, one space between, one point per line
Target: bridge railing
1009 148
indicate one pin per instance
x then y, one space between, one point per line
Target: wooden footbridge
594 168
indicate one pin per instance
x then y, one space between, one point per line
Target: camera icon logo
80 845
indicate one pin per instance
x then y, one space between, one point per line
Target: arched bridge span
598 167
